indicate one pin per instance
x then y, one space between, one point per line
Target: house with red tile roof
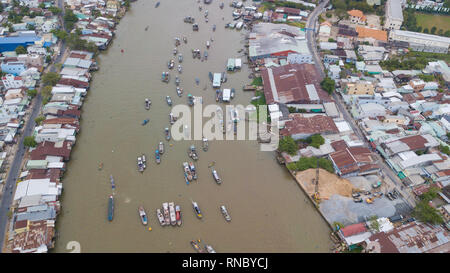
356 16
300 127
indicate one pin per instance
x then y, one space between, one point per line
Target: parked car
367 193
409 220
355 195
357 200
389 196
396 218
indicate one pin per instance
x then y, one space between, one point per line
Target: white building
394 15
11 81
421 41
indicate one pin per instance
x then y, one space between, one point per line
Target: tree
32 93
39 120
328 85
374 225
287 144
29 141
428 214
425 30
70 19
48 59
54 10
59 33
51 78
21 50
433 30
315 140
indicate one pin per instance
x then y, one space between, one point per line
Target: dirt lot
329 184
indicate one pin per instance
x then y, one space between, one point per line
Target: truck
376 185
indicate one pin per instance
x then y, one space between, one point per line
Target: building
357 16
302 127
421 41
13 67
369 33
394 15
409 143
359 88
276 41
325 31
293 83
10 43
412 237
351 161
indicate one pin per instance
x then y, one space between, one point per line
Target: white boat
166 213
225 213
239 25
161 147
207 44
216 177
143 215
210 249
160 217
179 68
197 210
173 218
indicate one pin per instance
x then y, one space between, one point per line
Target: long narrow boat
216 176
161 147
143 215
197 247
160 217
178 214
193 171
187 171
197 211
225 213
166 213
113 185
157 157
205 144
110 208
173 217
167 133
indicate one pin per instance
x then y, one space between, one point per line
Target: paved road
14 170
312 23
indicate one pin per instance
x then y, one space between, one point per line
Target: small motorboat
193 171
190 99
177 81
179 68
145 121
175 51
200 8
146 28
208 44
209 249
187 172
172 119
113 185
211 77
195 27
180 57
110 208
173 217
161 147
189 19
193 153
218 94
233 91
100 166
197 211
216 176
197 81
196 246
177 41
157 4
205 144
170 64
157 156
214 27
178 214
205 55
185 39
167 133
166 213
179 92
160 217
221 5
165 77
224 77
147 103
169 100
141 164
143 215
225 213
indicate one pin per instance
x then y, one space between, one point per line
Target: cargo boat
173 218
110 208
225 213
160 217
166 213
178 214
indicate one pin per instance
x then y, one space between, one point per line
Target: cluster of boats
169 215
141 163
190 173
199 249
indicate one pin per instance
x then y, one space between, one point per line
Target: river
269 211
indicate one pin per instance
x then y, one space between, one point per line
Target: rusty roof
353 229
312 125
364 32
39 233
339 145
293 83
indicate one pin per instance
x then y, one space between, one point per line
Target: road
312 23
14 170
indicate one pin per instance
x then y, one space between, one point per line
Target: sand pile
329 183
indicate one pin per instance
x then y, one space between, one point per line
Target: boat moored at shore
160 216
178 214
143 215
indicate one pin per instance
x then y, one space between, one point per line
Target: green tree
55 10
433 30
39 120
374 225
287 144
426 213
32 93
59 33
29 141
21 50
51 78
328 85
70 19
425 30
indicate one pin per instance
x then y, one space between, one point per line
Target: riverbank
36 204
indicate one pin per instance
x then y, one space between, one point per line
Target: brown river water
270 213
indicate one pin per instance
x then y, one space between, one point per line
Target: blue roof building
10 43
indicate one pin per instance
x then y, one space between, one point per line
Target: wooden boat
210 249
179 68
225 213
100 166
221 5
197 81
178 215
195 27
205 144
157 4
173 218
167 133
165 77
218 94
193 171
177 41
196 246
160 217
140 164
147 103
169 100
180 58
197 211
189 19
161 147
113 185
214 27
157 157
110 208
170 64
166 213
145 121
187 172
193 153
143 215
172 119
177 81
216 176
179 91
224 77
